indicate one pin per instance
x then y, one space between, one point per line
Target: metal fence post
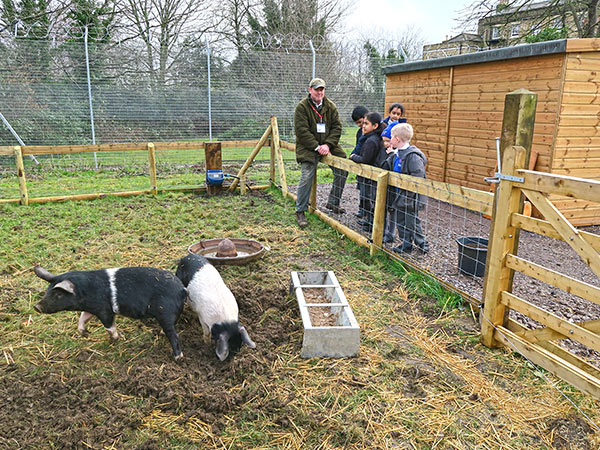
209 98
314 55
89 83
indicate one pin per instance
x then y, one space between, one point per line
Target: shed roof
518 51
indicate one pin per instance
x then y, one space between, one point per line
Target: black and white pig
136 292
214 303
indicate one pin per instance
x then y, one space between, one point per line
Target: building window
514 30
495 33
558 23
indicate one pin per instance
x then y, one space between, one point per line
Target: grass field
421 381
80 173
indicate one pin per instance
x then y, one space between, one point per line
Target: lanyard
317 112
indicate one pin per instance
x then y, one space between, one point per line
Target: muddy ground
64 402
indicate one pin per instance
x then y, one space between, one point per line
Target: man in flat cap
318 130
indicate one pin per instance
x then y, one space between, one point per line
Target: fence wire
456 250
44 89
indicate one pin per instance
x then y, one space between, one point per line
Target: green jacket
305 126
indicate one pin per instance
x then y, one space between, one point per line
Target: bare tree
165 28
582 14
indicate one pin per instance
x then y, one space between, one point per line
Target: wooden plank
66 149
587 98
287 145
7 150
379 213
564 185
279 155
581 121
556 350
538 355
583 45
569 233
510 65
548 334
508 86
589 164
554 278
472 199
466 97
578 131
544 227
577 153
520 77
23 195
447 128
573 331
152 167
251 157
582 75
575 87
573 142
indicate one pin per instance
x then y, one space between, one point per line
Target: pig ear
66 285
222 347
245 338
43 273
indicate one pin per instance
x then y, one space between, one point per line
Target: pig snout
38 308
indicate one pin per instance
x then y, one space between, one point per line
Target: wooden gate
539 345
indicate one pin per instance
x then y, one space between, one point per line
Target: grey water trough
330 329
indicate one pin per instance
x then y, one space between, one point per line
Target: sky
387 19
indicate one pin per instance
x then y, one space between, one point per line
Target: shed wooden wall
457 112
577 146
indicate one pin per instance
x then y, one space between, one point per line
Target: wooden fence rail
150 148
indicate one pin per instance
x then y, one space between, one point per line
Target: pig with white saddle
136 292
214 303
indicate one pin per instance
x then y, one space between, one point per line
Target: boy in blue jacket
408 160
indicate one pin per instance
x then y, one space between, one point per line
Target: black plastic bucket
472 252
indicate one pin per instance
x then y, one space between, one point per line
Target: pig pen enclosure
421 379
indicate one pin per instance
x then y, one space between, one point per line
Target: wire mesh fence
44 92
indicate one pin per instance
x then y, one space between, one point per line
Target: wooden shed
455 105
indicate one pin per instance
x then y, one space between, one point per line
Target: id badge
320 128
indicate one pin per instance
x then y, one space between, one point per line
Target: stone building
507 26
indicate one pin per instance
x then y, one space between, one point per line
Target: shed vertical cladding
456 106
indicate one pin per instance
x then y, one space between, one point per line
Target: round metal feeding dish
229 251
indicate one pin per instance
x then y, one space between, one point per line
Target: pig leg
171 333
205 331
83 320
108 320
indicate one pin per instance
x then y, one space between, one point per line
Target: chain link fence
45 96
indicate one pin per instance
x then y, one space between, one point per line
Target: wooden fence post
379 212
213 161
272 161
517 129
152 167
503 236
278 155
21 176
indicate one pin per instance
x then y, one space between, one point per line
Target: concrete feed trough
330 328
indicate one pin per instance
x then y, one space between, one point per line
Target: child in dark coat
358 116
372 152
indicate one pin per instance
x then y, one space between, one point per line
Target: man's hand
323 150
